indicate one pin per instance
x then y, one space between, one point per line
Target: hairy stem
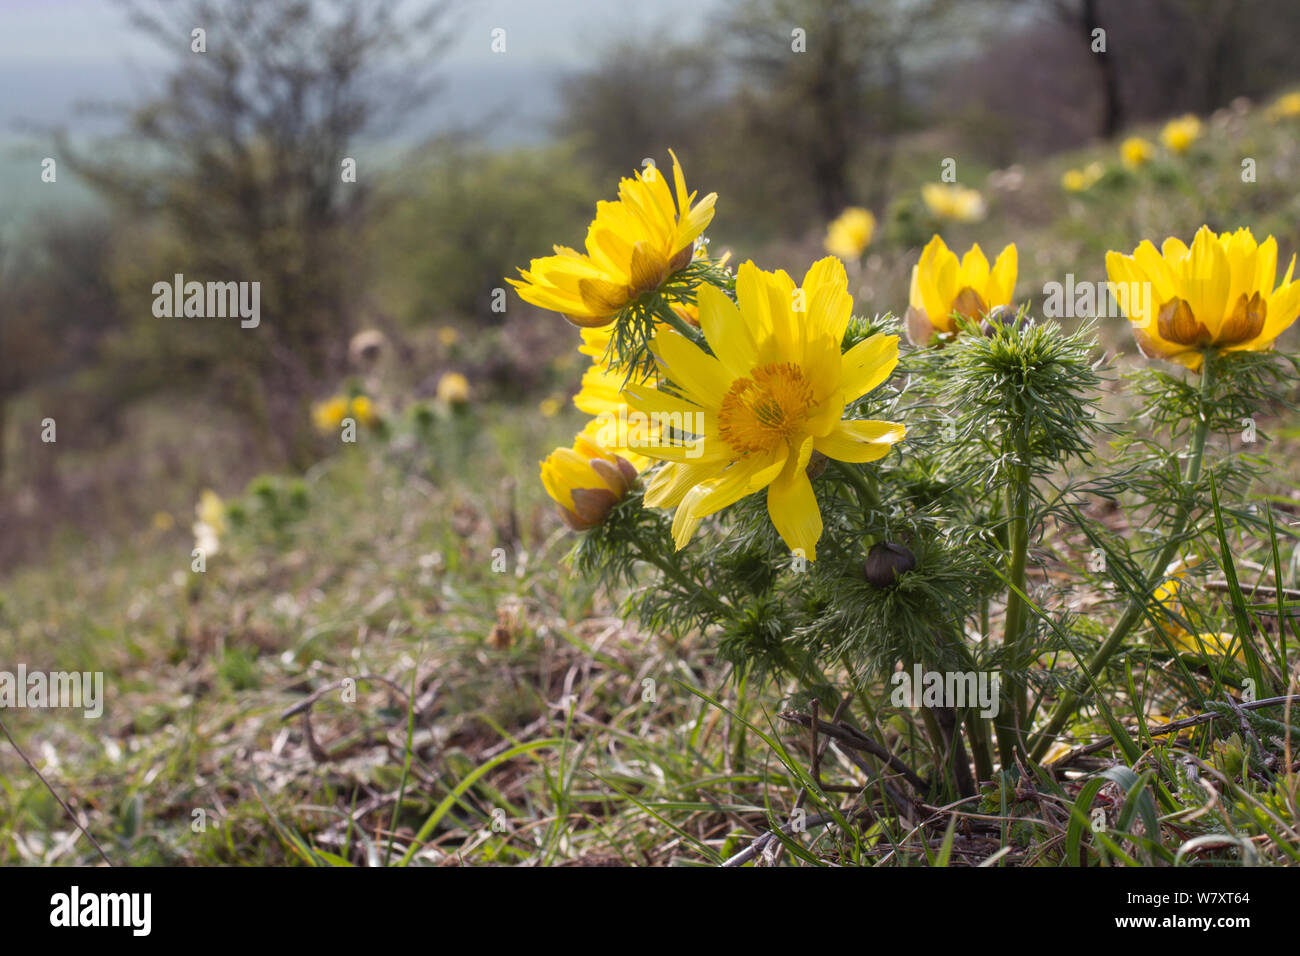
867 496
1015 693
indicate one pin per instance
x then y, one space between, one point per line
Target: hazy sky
54 53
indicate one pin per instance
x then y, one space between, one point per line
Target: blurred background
482 133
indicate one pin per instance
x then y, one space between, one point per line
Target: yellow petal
868 364
701 375
860 441
792 505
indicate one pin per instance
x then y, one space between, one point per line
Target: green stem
1015 688
665 313
1069 702
867 496
980 746
939 746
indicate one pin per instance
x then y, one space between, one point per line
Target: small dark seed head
886 562
1001 315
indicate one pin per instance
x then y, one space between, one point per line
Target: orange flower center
766 409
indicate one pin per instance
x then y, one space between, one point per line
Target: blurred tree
820 87
240 160
640 97
1093 31
56 307
468 217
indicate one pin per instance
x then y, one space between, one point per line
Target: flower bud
886 562
1002 315
586 481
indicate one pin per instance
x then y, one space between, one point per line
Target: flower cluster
737 415
745 385
751 382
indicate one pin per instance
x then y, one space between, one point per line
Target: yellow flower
1166 598
1208 645
633 245
1080 180
550 407
363 410
849 234
1136 151
1286 106
447 336
1217 294
942 287
211 510
1204 644
162 521
1056 752
211 523
586 481
751 417
329 414
950 201
601 396
1180 133
453 389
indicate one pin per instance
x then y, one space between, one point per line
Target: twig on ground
1169 728
54 793
851 737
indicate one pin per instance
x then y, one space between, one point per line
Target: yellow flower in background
363 411
550 407
162 521
1209 645
750 418
950 201
942 287
1080 180
632 246
850 233
1136 151
211 523
1179 134
587 480
1286 106
453 389
1217 294
1056 752
329 414
448 336
211 510
1167 597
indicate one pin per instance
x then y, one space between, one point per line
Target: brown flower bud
1001 315
886 562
